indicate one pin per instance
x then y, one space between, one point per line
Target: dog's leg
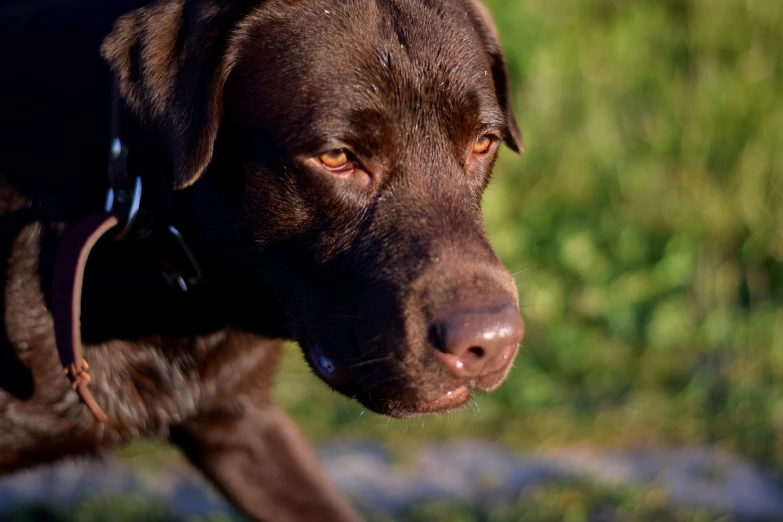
264 466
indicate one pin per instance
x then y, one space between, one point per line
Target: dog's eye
336 160
482 145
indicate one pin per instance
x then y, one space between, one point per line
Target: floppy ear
482 21
169 59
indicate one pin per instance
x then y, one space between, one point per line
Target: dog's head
335 152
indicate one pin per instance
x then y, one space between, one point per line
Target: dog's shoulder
146 386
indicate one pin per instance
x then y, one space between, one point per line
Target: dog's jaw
336 375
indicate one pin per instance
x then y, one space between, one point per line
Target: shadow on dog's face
355 143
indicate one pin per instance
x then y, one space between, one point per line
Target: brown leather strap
72 255
123 201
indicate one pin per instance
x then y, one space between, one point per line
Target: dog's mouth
335 374
449 401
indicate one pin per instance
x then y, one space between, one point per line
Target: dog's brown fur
234 100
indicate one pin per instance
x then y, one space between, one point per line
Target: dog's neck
129 292
125 297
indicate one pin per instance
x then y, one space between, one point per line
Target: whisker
368 376
521 271
390 379
371 361
363 355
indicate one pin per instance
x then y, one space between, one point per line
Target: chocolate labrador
275 169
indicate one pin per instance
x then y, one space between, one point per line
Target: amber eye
335 159
482 145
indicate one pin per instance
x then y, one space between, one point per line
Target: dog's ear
482 21
170 61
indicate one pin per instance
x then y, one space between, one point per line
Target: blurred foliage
648 214
644 227
564 502
117 509
555 502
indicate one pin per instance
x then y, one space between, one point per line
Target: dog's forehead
394 56
334 36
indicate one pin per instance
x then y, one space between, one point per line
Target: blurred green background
644 226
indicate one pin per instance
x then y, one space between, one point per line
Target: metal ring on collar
133 211
197 273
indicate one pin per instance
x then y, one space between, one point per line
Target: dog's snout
475 342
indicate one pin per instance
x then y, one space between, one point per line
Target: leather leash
70 263
120 213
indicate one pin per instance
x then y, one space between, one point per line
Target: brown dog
324 162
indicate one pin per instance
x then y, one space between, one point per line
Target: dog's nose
472 343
